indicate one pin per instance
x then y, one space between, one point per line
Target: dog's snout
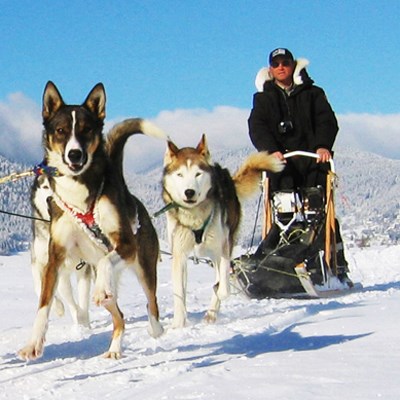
75 156
189 193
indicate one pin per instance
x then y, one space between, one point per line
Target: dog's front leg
79 311
84 283
179 283
64 288
223 274
105 294
115 349
105 289
221 288
34 348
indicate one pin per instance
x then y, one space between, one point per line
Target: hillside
15 232
366 199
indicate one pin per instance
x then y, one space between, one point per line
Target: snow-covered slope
341 348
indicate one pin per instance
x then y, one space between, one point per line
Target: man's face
282 69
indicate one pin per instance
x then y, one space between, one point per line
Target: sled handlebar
308 154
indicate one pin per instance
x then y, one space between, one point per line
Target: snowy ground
342 348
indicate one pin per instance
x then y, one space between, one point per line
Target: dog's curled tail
248 177
121 132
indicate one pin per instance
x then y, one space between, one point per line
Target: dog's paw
82 318
31 352
102 298
113 355
154 329
210 317
58 305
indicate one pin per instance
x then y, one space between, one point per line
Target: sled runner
301 254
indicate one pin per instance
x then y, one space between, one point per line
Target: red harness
89 221
87 218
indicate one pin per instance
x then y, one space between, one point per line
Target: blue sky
158 57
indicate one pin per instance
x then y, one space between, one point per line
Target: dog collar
198 233
44 169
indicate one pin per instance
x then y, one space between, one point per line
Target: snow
346 347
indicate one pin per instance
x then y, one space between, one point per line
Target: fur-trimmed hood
300 75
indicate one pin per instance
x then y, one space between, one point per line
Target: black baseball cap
280 52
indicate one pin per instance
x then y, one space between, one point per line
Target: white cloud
378 134
225 127
20 128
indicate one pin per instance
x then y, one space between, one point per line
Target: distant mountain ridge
367 199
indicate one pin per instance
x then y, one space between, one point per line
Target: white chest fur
73 193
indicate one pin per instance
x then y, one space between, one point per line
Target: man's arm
259 126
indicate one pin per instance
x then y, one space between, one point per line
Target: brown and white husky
93 215
205 214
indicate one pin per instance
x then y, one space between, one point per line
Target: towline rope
37 170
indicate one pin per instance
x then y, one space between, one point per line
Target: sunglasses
284 63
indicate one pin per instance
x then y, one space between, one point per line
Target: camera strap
284 105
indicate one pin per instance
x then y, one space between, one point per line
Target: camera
285 126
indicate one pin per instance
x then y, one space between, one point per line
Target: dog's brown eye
60 131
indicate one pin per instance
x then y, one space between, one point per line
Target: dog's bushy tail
248 177
121 132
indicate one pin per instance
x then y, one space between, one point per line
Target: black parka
314 122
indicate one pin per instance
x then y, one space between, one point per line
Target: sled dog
79 311
93 215
204 214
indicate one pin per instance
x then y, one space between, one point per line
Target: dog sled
301 253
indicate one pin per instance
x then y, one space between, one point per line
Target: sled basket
298 256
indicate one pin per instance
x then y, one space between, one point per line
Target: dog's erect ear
96 101
202 147
172 147
170 152
52 100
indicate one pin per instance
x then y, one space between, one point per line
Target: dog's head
187 177
72 133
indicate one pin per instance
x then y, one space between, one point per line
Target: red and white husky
205 214
93 215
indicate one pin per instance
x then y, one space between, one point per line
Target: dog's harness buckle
199 233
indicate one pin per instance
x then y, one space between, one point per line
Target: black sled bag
270 271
